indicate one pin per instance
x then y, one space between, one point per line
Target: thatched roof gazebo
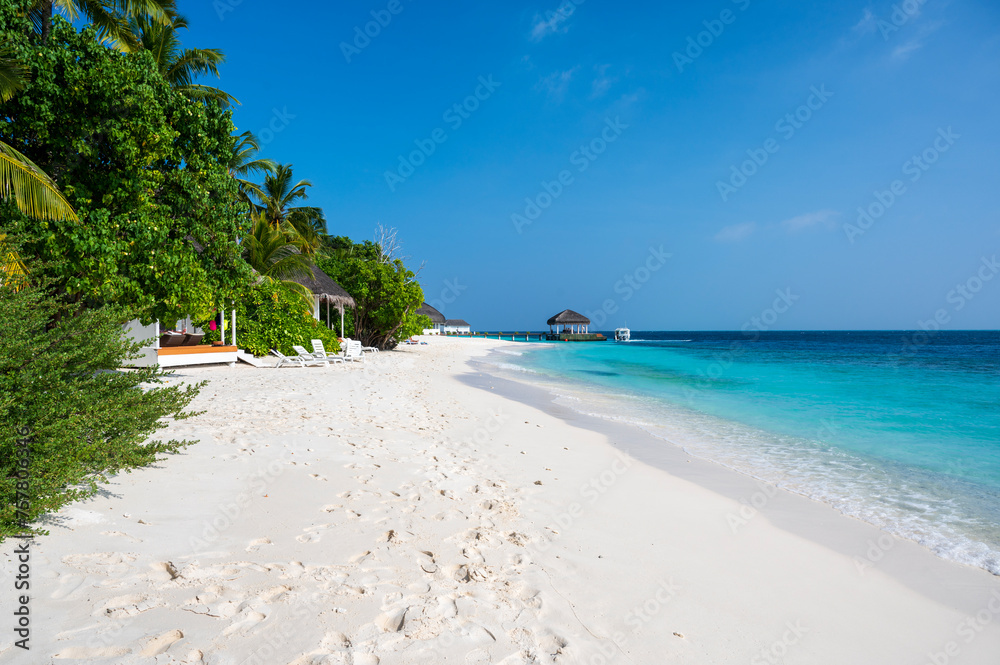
576 322
436 317
324 289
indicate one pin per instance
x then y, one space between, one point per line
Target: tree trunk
46 10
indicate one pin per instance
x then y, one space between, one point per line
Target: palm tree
245 163
270 253
33 192
279 195
180 66
110 17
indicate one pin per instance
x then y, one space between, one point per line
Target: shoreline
388 513
866 544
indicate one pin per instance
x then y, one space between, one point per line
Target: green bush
67 410
145 168
386 292
270 316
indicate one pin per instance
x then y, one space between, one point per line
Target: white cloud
736 232
551 23
867 24
917 41
904 51
556 83
602 83
820 218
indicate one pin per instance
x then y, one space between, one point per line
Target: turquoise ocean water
899 429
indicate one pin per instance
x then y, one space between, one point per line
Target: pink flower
212 326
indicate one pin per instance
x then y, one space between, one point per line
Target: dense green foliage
86 418
386 293
166 225
145 168
271 316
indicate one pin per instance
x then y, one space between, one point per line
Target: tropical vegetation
385 290
127 192
271 316
65 410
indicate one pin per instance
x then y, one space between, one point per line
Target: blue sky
738 137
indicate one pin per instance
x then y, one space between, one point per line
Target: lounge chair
193 339
287 360
319 350
352 351
309 357
171 338
366 349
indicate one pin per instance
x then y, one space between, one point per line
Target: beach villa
181 345
457 327
328 292
570 326
436 317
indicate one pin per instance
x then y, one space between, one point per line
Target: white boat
622 334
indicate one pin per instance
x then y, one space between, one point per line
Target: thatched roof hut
568 317
457 323
436 317
328 290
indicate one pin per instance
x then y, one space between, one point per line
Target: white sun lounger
365 349
310 358
352 351
320 350
294 361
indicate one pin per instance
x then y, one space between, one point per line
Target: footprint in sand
257 544
391 536
101 563
477 657
273 594
67 585
127 606
160 644
447 608
313 534
246 621
550 644
335 641
92 653
165 570
316 476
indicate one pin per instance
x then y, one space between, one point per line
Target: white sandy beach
389 513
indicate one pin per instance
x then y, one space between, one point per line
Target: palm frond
13 272
12 75
113 26
161 11
179 66
193 62
205 93
308 220
245 161
34 192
